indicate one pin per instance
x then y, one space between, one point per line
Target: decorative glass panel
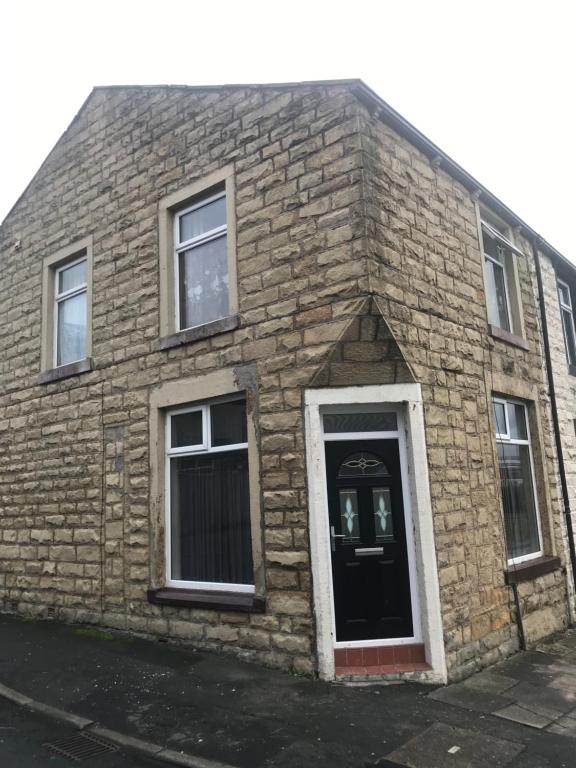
71 334
228 423
202 220
349 513
72 277
363 464
382 513
186 429
384 421
203 278
210 518
520 515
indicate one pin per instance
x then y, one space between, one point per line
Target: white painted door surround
406 400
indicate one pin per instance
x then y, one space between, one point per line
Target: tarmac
180 706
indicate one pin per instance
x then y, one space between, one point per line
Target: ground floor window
208 498
521 519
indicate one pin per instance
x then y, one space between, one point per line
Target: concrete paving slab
491 682
565 726
524 716
557 699
443 745
461 695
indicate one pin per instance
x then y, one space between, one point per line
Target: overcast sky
492 83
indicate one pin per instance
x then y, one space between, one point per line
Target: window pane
186 429
204 219
518 500
72 277
517 421
210 518
499 418
71 334
203 274
568 322
360 422
229 423
564 294
496 296
493 248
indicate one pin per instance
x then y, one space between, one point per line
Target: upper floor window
521 518
567 313
197 248
502 294
66 312
70 312
200 238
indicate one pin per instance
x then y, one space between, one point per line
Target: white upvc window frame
193 450
59 298
504 438
567 308
505 243
194 242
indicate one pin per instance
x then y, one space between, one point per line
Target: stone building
273 381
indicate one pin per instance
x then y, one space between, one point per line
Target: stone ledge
508 338
197 598
64 371
200 332
531 569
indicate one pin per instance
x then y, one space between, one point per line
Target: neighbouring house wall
427 270
564 383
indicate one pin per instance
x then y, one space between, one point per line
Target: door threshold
378 661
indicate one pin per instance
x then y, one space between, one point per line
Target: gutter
553 406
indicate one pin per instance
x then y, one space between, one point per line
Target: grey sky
492 83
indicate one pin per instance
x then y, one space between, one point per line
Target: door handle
333 537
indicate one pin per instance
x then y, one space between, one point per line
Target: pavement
173 704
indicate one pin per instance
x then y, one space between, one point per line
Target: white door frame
419 534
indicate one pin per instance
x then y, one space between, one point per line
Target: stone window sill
65 371
219 601
508 338
200 332
531 569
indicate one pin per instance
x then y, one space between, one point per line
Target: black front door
368 540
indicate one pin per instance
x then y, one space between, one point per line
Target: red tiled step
380 660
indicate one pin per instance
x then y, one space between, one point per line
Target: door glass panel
360 422
349 513
382 513
363 464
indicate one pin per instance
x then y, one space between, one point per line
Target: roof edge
394 119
